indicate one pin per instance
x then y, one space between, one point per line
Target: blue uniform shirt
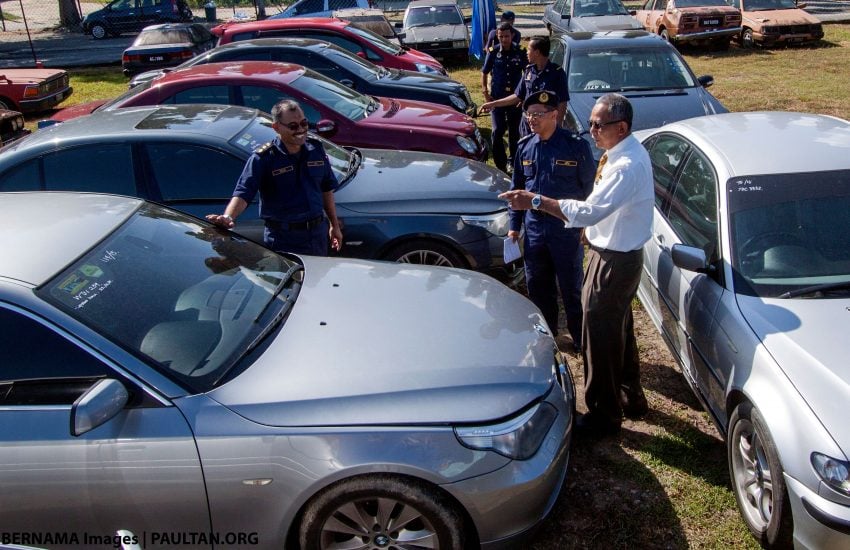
562 167
551 78
290 185
516 36
506 68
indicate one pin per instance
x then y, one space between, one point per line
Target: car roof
771 142
221 121
420 3
59 226
167 26
619 38
276 41
237 71
287 22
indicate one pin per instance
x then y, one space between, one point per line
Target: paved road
65 49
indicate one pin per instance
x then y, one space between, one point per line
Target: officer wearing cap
293 176
551 162
504 64
540 74
509 18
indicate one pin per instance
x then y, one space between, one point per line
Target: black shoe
634 405
593 426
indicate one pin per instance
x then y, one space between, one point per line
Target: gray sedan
747 276
168 379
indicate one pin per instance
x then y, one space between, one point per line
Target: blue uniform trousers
505 119
555 253
312 241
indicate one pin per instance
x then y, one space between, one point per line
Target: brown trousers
611 363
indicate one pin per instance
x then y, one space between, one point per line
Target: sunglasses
294 126
536 115
593 125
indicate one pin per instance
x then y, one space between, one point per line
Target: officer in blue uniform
540 74
504 62
295 181
507 17
553 162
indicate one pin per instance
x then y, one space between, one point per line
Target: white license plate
156 58
711 22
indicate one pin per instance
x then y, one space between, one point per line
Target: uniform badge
283 170
565 163
315 163
544 97
527 162
499 55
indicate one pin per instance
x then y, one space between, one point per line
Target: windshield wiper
815 289
636 88
354 163
284 280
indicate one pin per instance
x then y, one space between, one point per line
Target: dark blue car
166 45
122 16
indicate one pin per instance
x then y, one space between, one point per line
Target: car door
651 14
138 471
123 15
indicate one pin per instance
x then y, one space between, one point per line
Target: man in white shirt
618 220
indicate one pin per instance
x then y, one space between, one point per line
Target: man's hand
514 235
518 199
221 220
335 236
486 107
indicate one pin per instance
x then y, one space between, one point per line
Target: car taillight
128 58
733 19
689 20
185 55
31 91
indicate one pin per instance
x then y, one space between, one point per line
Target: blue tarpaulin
483 21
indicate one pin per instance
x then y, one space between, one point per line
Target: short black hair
541 44
505 27
618 108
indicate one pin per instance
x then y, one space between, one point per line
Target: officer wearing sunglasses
293 176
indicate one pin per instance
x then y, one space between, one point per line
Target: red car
33 90
360 41
701 22
335 111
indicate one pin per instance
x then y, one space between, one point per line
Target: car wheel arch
392 247
8 104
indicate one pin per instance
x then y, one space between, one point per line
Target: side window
561 6
25 177
556 52
341 4
40 367
191 172
239 55
324 67
310 6
666 153
693 210
102 168
204 94
244 36
265 98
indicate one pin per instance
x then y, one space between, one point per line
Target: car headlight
467 144
517 438
833 472
460 44
458 103
497 223
423 68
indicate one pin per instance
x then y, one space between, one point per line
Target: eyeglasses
294 126
593 125
534 115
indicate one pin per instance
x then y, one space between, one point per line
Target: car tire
747 40
98 31
758 479
6 104
363 510
664 34
425 252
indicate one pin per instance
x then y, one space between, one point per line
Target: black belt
295 226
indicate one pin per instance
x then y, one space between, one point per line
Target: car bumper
520 495
818 522
45 103
707 35
773 39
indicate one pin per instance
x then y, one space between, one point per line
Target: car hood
418 115
426 346
413 79
808 340
395 182
27 76
654 108
75 111
415 56
791 16
604 23
417 35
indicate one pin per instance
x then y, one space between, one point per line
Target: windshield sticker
91 270
744 185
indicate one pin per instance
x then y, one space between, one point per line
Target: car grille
56 84
793 29
442 45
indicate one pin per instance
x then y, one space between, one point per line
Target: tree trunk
69 15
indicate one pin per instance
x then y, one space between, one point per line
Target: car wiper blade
816 289
284 281
354 163
636 88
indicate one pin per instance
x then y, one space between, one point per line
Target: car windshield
430 16
132 92
762 5
155 37
333 95
376 40
354 63
633 69
591 8
790 231
200 296
699 3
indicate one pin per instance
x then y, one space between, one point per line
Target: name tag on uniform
565 163
283 170
315 163
527 162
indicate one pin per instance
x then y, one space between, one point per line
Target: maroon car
33 90
335 111
344 34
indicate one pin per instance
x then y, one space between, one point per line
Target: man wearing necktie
617 216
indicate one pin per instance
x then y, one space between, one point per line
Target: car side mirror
566 17
690 258
399 26
401 35
467 19
347 82
325 128
361 54
101 402
705 80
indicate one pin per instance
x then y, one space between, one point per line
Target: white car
747 276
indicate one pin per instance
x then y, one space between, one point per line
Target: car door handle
659 240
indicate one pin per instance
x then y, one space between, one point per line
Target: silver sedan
186 387
747 276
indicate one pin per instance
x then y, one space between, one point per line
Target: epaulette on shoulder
525 138
264 148
491 49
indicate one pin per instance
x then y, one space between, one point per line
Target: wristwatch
536 202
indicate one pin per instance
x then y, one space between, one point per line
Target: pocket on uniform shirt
529 170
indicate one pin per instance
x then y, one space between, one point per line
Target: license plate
711 22
156 58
